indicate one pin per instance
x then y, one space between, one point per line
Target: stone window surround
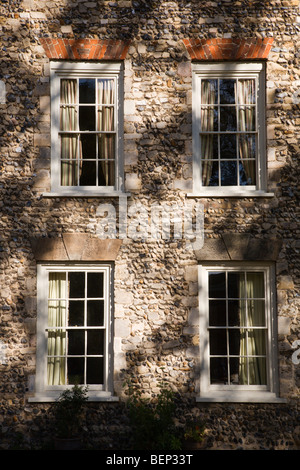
72 249
239 249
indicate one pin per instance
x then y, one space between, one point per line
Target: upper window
228 129
86 122
237 333
74 329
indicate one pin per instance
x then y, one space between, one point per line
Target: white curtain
56 337
246 100
106 141
208 97
70 148
252 369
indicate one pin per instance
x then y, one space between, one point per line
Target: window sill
241 397
86 194
223 194
49 398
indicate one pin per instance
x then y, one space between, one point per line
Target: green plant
194 431
153 421
68 411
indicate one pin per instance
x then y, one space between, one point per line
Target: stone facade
156 312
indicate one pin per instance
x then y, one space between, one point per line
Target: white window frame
230 70
237 393
58 70
44 392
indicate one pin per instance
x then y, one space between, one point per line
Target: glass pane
57 285
228 146
95 313
228 173
247 146
236 312
106 146
236 285
86 90
234 370
234 342
217 342
88 146
246 91
56 371
106 91
56 313
95 284
76 313
209 91
95 342
88 173
217 285
256 312
87 118
228 118
212 177
106 119
68 118
256 342
218 370
217 312
257 371
69 173
106 170
68 89
75 370
227 91
76 285
209 119
255 285
247 118
247 172
95 370
76 342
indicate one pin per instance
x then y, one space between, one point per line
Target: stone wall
156 301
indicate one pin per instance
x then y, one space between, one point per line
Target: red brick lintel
228 49
85 49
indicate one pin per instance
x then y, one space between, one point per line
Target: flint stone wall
156 303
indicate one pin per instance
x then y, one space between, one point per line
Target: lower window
237 332
74 327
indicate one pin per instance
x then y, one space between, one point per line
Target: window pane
227 91
246 91
228 118
95 285
106 170
247 172
234 342
255 285
95 313
217 312
209 119
87 173
228 146
76 285
86 90
75 370
217 285
218 370
76 342
95 342
88 146
235 312
95 370
209 91
236 285
257 371
76 313
218 342
106 91
256 313
87 118
106 119
228 173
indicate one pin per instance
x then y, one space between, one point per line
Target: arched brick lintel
85 49
228 49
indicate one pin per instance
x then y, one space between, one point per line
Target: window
237 333
74 329
86 121
228 129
